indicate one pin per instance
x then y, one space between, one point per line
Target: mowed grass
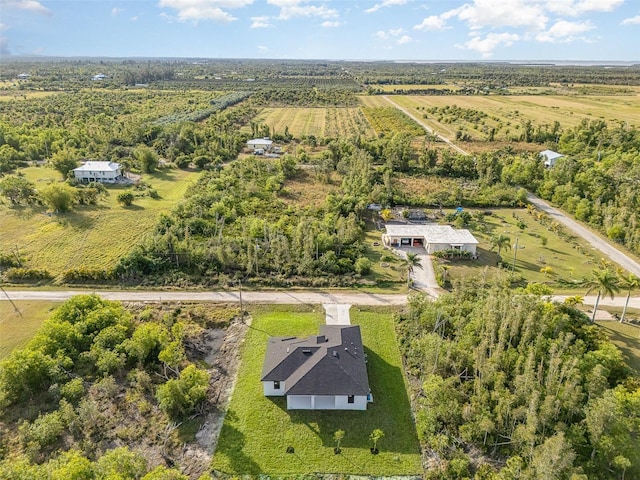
566 263
89 236
320 122
18 327
627 338
506 113
257 430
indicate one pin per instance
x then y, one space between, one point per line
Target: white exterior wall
325 402
269 391
107 177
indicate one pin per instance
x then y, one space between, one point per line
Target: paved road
281 297
595 241
419 121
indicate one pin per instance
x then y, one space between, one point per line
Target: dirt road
595 241
419 121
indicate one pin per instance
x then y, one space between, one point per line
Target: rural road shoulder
595 241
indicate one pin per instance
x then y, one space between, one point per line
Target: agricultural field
257 430
18 327
506 113
93 236
318 121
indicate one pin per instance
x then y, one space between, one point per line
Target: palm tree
604 282
411 262
629 282
499 242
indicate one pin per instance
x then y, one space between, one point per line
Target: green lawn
257 430
565 262
94 236
627 338
17 327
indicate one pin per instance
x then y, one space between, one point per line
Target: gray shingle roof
331 363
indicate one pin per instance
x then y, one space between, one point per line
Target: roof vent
335 353
306 351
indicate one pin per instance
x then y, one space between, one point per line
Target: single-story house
105 172
322 372
550 157
264 144
23 76
431 237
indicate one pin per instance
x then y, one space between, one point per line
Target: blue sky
561 30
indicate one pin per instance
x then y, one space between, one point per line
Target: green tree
59 197
126 198
338 435
146 159
498 242
179 397
604 282
629 282
163 473
120 463
411 262
18 189
375 437
64 161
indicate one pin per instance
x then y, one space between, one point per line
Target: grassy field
321 122
257 430
17 327
627 338
505 113
91 236
565 262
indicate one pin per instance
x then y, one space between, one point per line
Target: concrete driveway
337 313
424 279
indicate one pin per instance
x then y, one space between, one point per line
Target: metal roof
431 233
92 166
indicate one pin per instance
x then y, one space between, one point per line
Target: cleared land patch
257 430
93 236
627 338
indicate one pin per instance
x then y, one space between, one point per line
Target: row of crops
217 105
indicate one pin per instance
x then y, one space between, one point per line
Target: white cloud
396 31
261 22
329 24
485 46
574 8
194 10
382 35
501 13
263 48
115 11
563 31
434 22
404 40
133 19
29 5
632 21
299 8
385 3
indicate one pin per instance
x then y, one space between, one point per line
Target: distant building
260 143
99 76
23 76
323 372
104 172
550 157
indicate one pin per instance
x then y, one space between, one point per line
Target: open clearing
16 329
257 430
93 236
506 113
320 122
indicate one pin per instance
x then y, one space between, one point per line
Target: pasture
91 236
18 327
321 121
506 113
257 430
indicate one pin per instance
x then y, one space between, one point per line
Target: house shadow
390 412
231 444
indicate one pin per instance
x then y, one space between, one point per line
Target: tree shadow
231 444
390 412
